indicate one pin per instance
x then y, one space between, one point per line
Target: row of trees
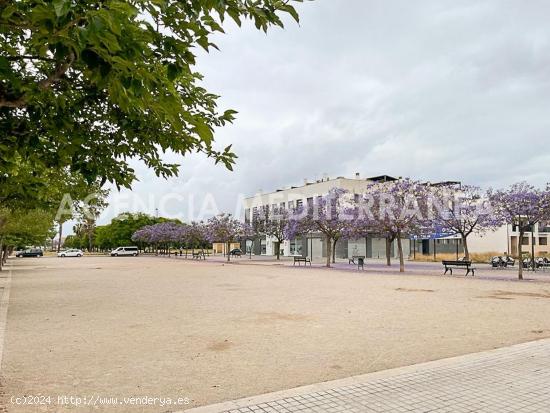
87 86
196 235
115 234
396 210
406 208
34 214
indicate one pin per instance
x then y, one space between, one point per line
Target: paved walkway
511 379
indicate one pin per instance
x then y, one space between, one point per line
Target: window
356 197
296 246
525 241
543 241
299 203
247 216
263 246
290 204
309 202
282 205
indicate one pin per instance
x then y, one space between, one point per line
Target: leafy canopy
91 84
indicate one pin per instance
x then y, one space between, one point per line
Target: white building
312 245
500 241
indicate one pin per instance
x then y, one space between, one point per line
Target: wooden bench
449 265
299 260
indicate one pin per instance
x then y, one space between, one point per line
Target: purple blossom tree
522 205
271 222
224 228
331 215
162 235
462 211
194 236
395 210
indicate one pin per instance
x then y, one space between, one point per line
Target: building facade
501 241
312 245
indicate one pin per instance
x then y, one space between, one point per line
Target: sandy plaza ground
211 331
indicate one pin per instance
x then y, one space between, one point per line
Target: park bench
358 260
449 265
199 255
355 257
299 260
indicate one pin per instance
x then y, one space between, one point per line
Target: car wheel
134 254
116 255
62 255
79 255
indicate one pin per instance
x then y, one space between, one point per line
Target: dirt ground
145 326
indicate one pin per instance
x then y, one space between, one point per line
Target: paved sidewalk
510 379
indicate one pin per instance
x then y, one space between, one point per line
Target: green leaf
204 132
61 7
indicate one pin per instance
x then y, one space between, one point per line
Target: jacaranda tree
227 229
331 215
397 209
462 210
521 205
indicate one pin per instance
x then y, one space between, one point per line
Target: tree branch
20 101
58 73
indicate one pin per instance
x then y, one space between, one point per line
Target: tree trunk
520 259
1 247
278 252
228 252
328 251
466 252
5 254
388 251
334 251
533 248
400 252
60 234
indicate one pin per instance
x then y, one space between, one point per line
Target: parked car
236 252
125 251
73 252
31 252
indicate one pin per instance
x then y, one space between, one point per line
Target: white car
122 251
70 253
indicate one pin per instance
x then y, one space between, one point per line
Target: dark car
31 252
236 252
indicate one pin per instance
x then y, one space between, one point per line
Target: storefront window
296 246
263 246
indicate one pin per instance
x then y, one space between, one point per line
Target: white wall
492 241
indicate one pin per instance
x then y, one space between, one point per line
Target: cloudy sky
433 90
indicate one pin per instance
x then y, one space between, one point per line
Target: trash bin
360 262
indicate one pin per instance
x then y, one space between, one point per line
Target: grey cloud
430 89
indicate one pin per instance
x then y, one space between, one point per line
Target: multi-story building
312 245
536 236
501 241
